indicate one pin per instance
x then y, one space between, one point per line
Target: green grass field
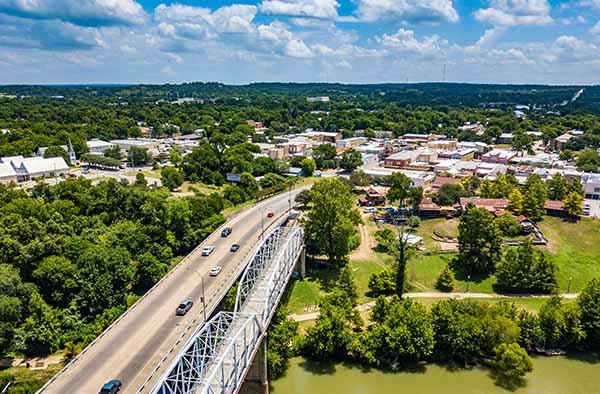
305 294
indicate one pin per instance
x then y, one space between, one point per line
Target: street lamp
202 299
468 282
569 288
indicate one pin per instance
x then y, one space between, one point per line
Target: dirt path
367 244
459 296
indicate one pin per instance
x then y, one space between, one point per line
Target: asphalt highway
134 346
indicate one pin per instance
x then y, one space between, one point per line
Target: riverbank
551 375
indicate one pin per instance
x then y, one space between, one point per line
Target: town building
497 206
318 99
401 159
97 147
500 156
591 186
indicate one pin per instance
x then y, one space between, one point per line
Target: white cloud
79 12
596 28
515 12
405 41
235 18
297 48
190 21
275 32
321 9
412 11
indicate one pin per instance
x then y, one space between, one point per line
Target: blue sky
350 41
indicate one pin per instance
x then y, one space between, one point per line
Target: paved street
135 345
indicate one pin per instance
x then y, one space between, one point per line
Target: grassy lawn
446 227
188 187
305 294
529 304
576 247
147 173
25 380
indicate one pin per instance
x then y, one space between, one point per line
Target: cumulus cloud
412 11
515 12
297 48
321 9
405 41
18 32
596 28
79 12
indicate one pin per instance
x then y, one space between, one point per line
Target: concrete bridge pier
301 264
257 380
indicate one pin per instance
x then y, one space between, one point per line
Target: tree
280 338
138 156
589 304
588 160
382 283
351 160
359 178
560 324
324 156
402 332
331 221
271 180
574 204
511 361
522 142
534 197
234 194
171 177
526 269
557 187
509 225
308 166
149 271
57 151
479 241
515 201
40 331
140 180
449 194
56 276
445 282
114 152
175 157
303 198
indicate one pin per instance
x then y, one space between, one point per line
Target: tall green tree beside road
114 152
351 160
479 241
138 156
331 221
324 156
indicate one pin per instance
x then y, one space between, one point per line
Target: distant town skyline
347 41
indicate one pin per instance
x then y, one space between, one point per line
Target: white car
214 271
207 250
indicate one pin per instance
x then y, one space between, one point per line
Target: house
527 226
127 144
505 138
7 173
417 178
318 99
560 142
440 181
497 206
295 171
329 137
369 160
500 156
37 167
401 159
98 147
591 186
555 208
428 209
373 197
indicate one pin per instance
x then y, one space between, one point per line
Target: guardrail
150 291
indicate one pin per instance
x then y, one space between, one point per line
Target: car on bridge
234 248
111 387
214 271
184 307
226 231
270 214
207 250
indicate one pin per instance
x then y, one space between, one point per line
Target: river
551 375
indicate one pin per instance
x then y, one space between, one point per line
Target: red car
270 214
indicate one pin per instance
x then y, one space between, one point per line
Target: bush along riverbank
400 334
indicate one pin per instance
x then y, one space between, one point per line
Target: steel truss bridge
219 355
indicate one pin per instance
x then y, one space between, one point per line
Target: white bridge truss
217 357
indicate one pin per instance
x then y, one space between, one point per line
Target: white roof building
97 146
7 173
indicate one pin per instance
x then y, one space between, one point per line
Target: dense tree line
71 254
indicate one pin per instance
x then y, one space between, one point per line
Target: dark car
234 247
226 231
111 387
184 307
